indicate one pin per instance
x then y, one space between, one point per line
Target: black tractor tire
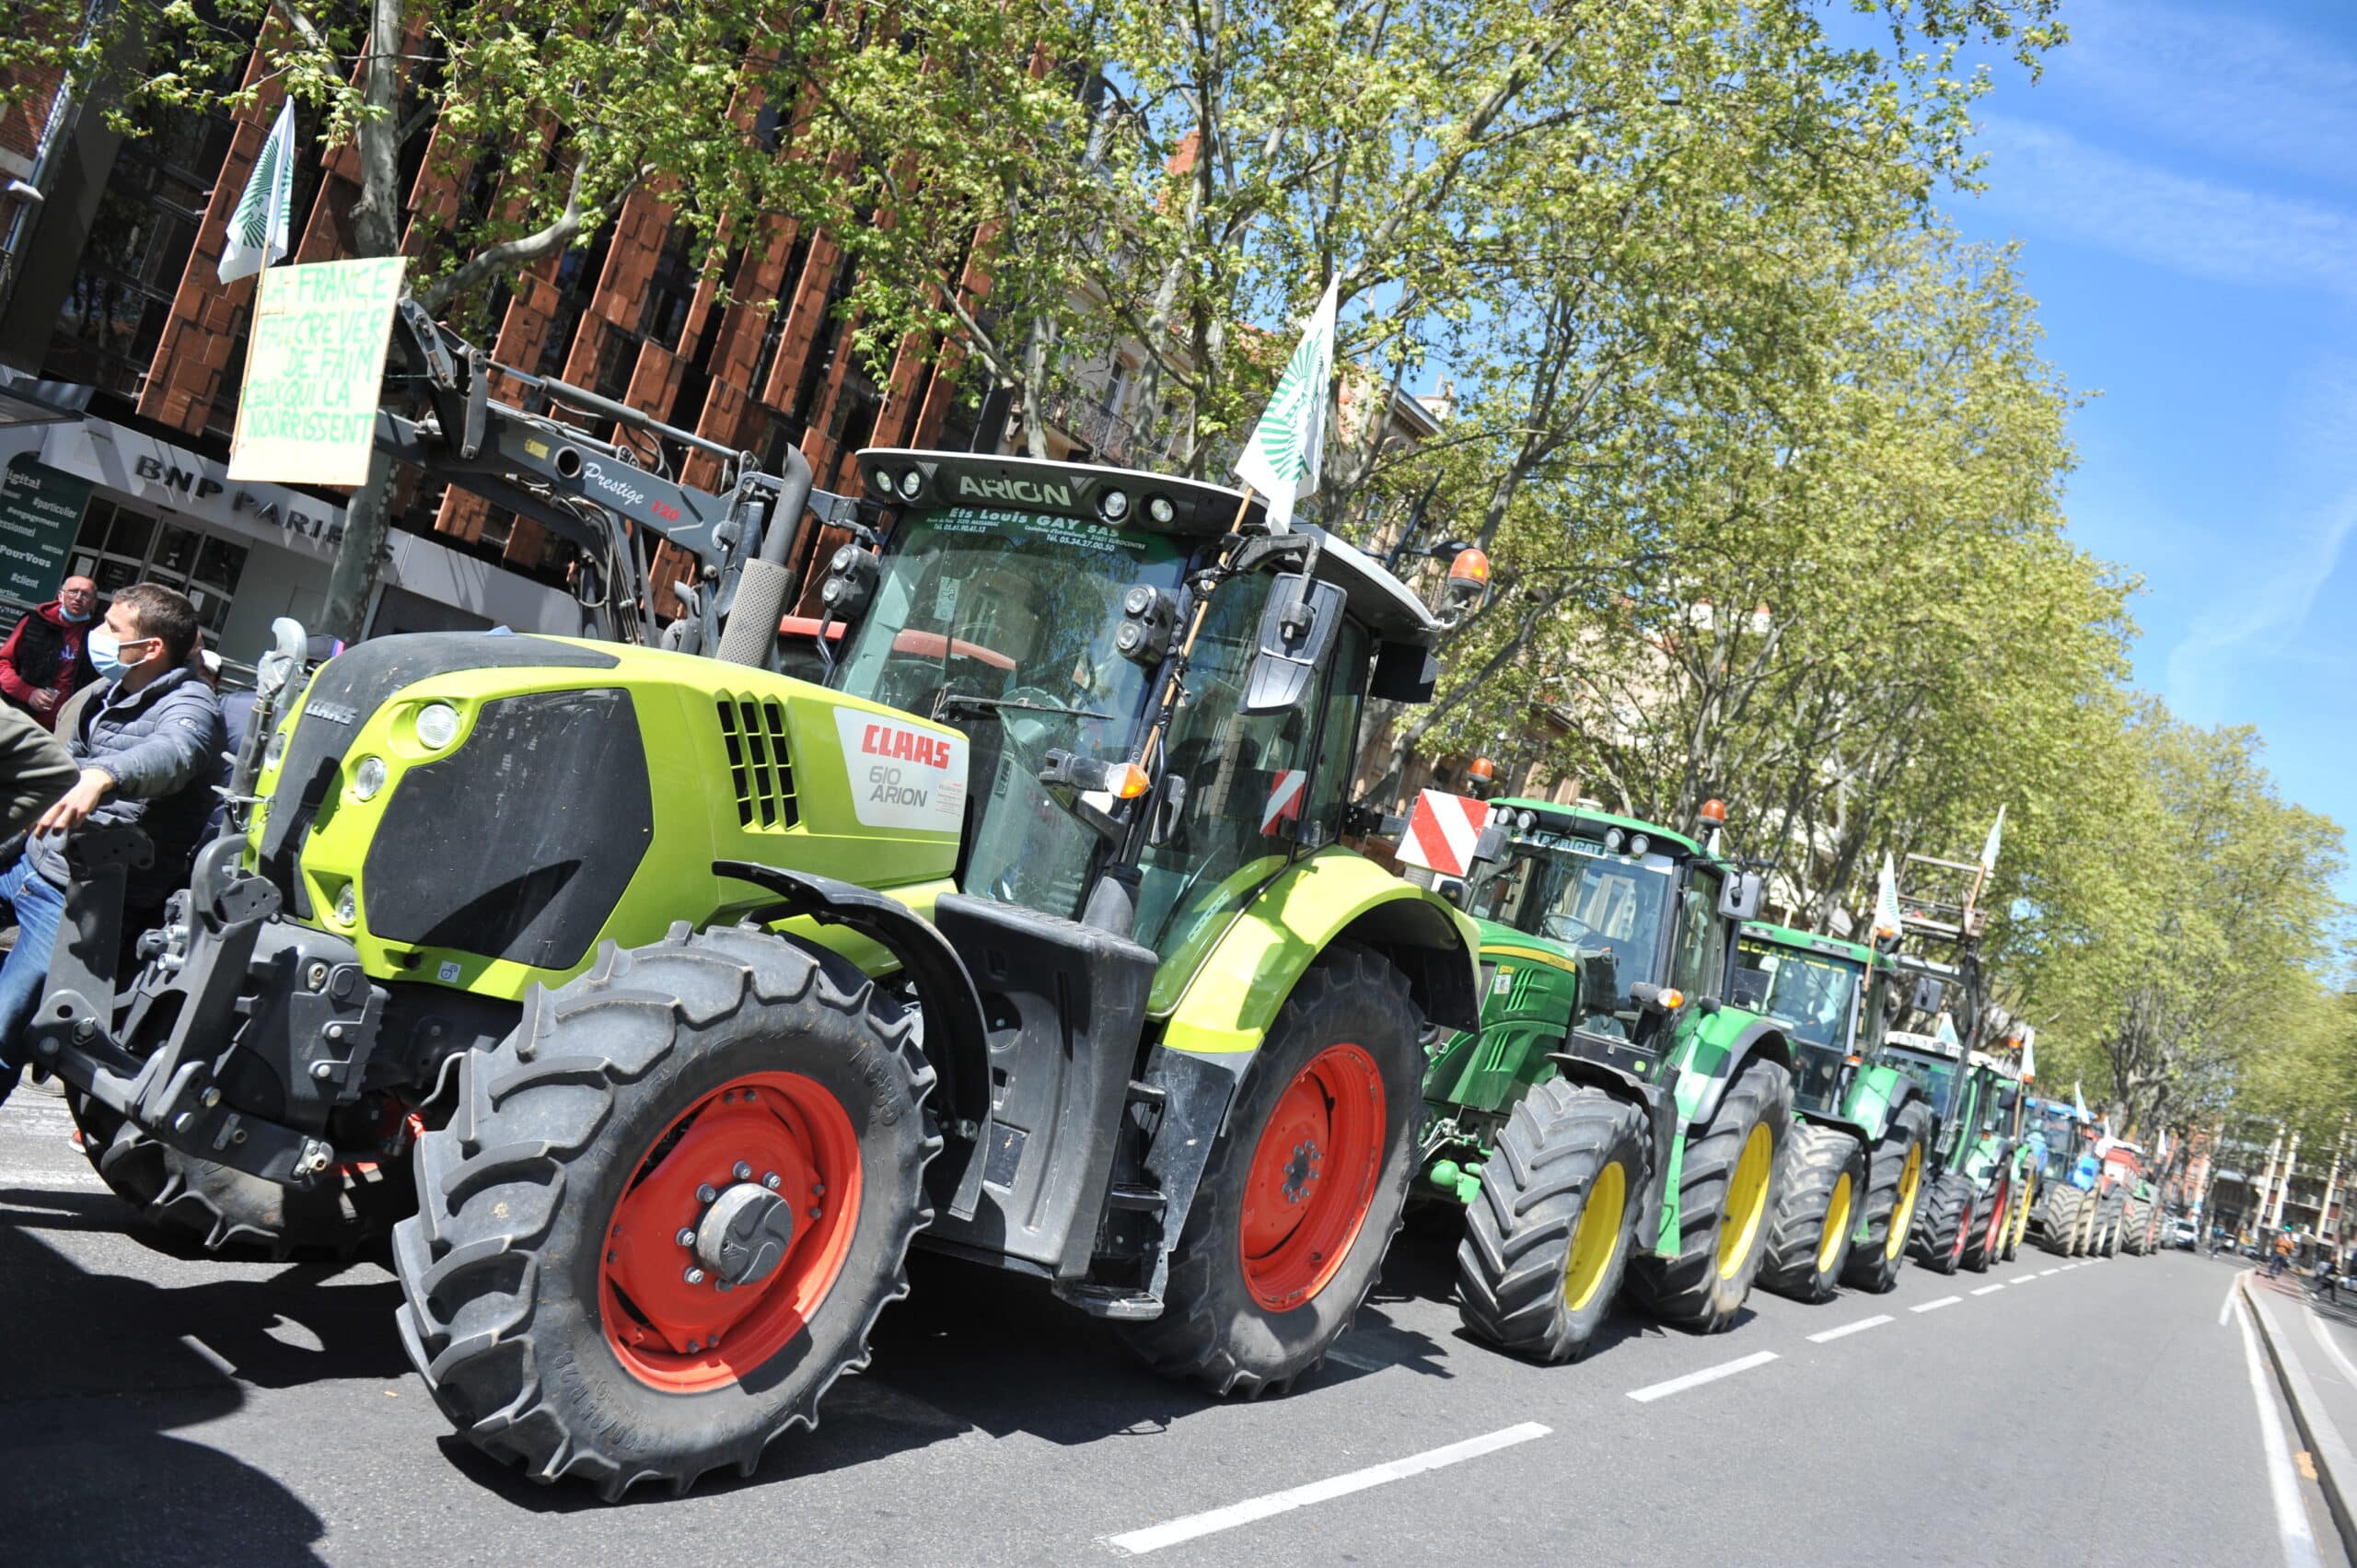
1816 1215
2112 1225
1945 1228
2137 1229
1875 1263
2060 1209
1214 1330
185 1206
1697 1289
1982 1246
1531 1225
508 1312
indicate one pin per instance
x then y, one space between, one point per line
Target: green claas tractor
1614 1116
694 995
1854 1173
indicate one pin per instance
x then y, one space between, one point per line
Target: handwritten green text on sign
315 360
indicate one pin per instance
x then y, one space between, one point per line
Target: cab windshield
1815 995
1938 1075
1569 892
1001 623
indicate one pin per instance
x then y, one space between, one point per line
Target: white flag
258 227
2077 1104
2029 1054
1887 923
1283 458
1988 850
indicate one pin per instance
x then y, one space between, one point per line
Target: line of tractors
646 1004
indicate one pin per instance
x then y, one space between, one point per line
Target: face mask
106 655
70 617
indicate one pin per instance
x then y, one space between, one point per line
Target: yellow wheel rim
1747 1201
1837 1224
1902 1208
2021 1219
1597 1236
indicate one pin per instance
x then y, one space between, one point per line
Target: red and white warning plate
1442 831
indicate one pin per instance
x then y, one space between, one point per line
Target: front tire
1725 1194
2059 1213
1988 1239
1304 1190
723 1109
1816 1214
1894 1196
1549 1234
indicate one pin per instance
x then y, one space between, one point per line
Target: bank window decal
118 547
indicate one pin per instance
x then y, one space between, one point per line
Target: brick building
121 357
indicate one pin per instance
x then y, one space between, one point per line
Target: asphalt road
156 1410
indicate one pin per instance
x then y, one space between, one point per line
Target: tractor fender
1755 1039
1855 1130
1336 895
1877 1093
1660 1103
955 1039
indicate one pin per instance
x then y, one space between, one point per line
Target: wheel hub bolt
744 1172
695 1276
706 1193
687 1237
770 1180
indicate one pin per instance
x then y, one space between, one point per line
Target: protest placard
315 361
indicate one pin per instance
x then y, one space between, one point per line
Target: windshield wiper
949 702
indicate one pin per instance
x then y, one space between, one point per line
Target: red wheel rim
1313 1178
683 1335
2004 1202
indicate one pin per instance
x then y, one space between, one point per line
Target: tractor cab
1938 1064
1823 991
1038 608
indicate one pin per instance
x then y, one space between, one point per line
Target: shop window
118 547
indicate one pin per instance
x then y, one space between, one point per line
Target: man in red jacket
43 663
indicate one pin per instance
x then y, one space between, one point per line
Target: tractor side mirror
1929 990
1600 983
1490 846
1451 888
1747 989
1296 634
1739 898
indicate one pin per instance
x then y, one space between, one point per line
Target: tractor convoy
648 1005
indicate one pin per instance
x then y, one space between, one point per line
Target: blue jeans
39 905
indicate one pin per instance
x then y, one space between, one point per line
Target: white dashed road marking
1935 1306
1989 1290
1861 1326
1170 1533
2043 1273
1696 1379
2020 1279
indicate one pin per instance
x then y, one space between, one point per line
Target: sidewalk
2315 1345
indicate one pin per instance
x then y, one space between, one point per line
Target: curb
2336 1467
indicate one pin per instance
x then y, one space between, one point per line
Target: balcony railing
1107 435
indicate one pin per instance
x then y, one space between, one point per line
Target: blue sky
2184 183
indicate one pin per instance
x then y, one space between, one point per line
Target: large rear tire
1988 1242
183 1204
1548 1236
1894 1199
1726 1193
2136 1227
667 1210
1810 1235
1304 1190
1946 1228
2060 1212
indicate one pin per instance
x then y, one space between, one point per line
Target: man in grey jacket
149 749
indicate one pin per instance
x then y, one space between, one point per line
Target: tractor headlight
911 482
437 726
275 752
347 906
367 778
1639 845
1613 840
1113 506
1160 509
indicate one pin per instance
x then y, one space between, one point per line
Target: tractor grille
753 732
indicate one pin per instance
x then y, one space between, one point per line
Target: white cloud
2058 184
2224 83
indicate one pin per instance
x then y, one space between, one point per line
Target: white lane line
2316 1327
2020 1279
2043 1273
2227 1307
2066 1268
1989 1290
1153 1538
1859 1327
1708 1375
220 1362
2299 1542
1935 1306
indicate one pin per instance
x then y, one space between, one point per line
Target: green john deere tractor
1614 1116
1854 1173
1968 1200
694 995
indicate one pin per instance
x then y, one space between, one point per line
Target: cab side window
1698 965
